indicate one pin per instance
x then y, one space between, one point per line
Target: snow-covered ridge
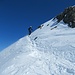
47 51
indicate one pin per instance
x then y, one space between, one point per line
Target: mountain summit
49 50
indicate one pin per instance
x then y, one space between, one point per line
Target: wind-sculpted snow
47 51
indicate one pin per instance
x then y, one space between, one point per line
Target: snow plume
49 50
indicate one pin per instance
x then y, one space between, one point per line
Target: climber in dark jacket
30 30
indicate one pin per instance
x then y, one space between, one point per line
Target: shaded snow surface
47 51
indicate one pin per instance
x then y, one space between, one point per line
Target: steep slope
47 51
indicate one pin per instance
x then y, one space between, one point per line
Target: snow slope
47 51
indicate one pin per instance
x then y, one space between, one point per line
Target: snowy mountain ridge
47 51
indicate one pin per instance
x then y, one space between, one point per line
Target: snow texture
47 51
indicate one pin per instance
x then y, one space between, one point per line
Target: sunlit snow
47 51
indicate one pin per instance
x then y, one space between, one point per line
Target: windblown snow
47 51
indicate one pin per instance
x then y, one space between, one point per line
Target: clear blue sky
17 15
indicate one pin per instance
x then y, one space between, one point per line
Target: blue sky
17 15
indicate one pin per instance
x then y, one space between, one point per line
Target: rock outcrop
68 16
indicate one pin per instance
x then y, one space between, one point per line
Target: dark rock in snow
68 16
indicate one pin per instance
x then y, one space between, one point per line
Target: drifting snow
47 51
